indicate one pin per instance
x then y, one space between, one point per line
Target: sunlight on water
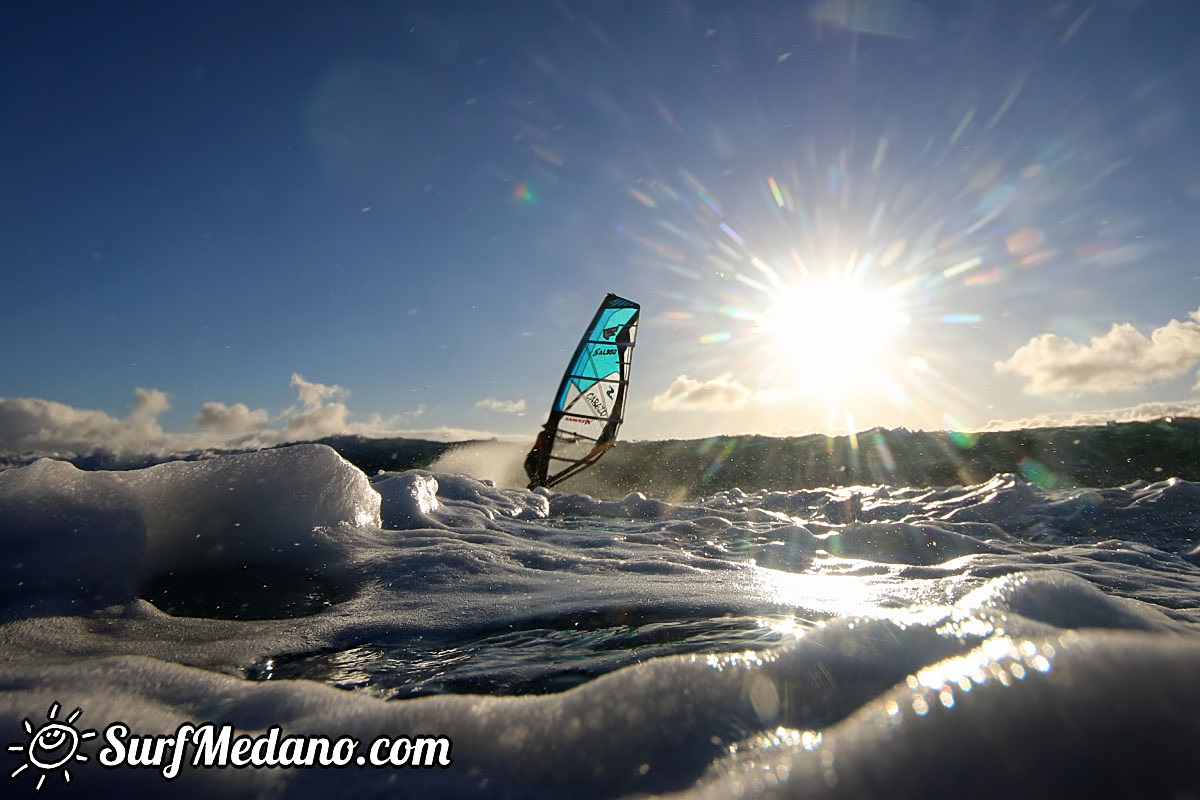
1000 659
826 595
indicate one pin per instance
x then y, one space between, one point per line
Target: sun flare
831 336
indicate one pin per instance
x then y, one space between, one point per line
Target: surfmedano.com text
218 746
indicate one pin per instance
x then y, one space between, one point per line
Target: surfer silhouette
533 461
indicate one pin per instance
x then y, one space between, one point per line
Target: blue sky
250 222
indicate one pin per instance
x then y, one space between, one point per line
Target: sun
831 336
52 746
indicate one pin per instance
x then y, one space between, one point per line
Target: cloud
316 422
503 406
314 395
688 394
378 425
1142 412
232 420
35 426
147 405
30 424
1121 360
320 413
445 433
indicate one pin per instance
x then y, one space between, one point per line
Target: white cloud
314 395
232 420
30 424
378 425
445 433
688 394
1142 412
148 404
503 406
320 413
45 427
1121 360
316 422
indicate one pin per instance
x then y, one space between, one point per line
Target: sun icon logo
51 746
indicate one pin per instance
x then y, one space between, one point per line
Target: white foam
892 649
84 540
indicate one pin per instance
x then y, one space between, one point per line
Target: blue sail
590 403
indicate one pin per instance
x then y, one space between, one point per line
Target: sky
247 223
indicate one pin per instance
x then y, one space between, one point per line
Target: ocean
997 638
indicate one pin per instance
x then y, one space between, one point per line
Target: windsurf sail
590 403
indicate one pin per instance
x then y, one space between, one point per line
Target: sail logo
610 332
605 351
597 404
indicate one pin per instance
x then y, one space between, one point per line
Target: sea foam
987 640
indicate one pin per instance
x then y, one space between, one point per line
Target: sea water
879 641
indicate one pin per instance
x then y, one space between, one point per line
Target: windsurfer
533 461
591 394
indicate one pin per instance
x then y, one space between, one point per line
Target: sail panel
590 403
